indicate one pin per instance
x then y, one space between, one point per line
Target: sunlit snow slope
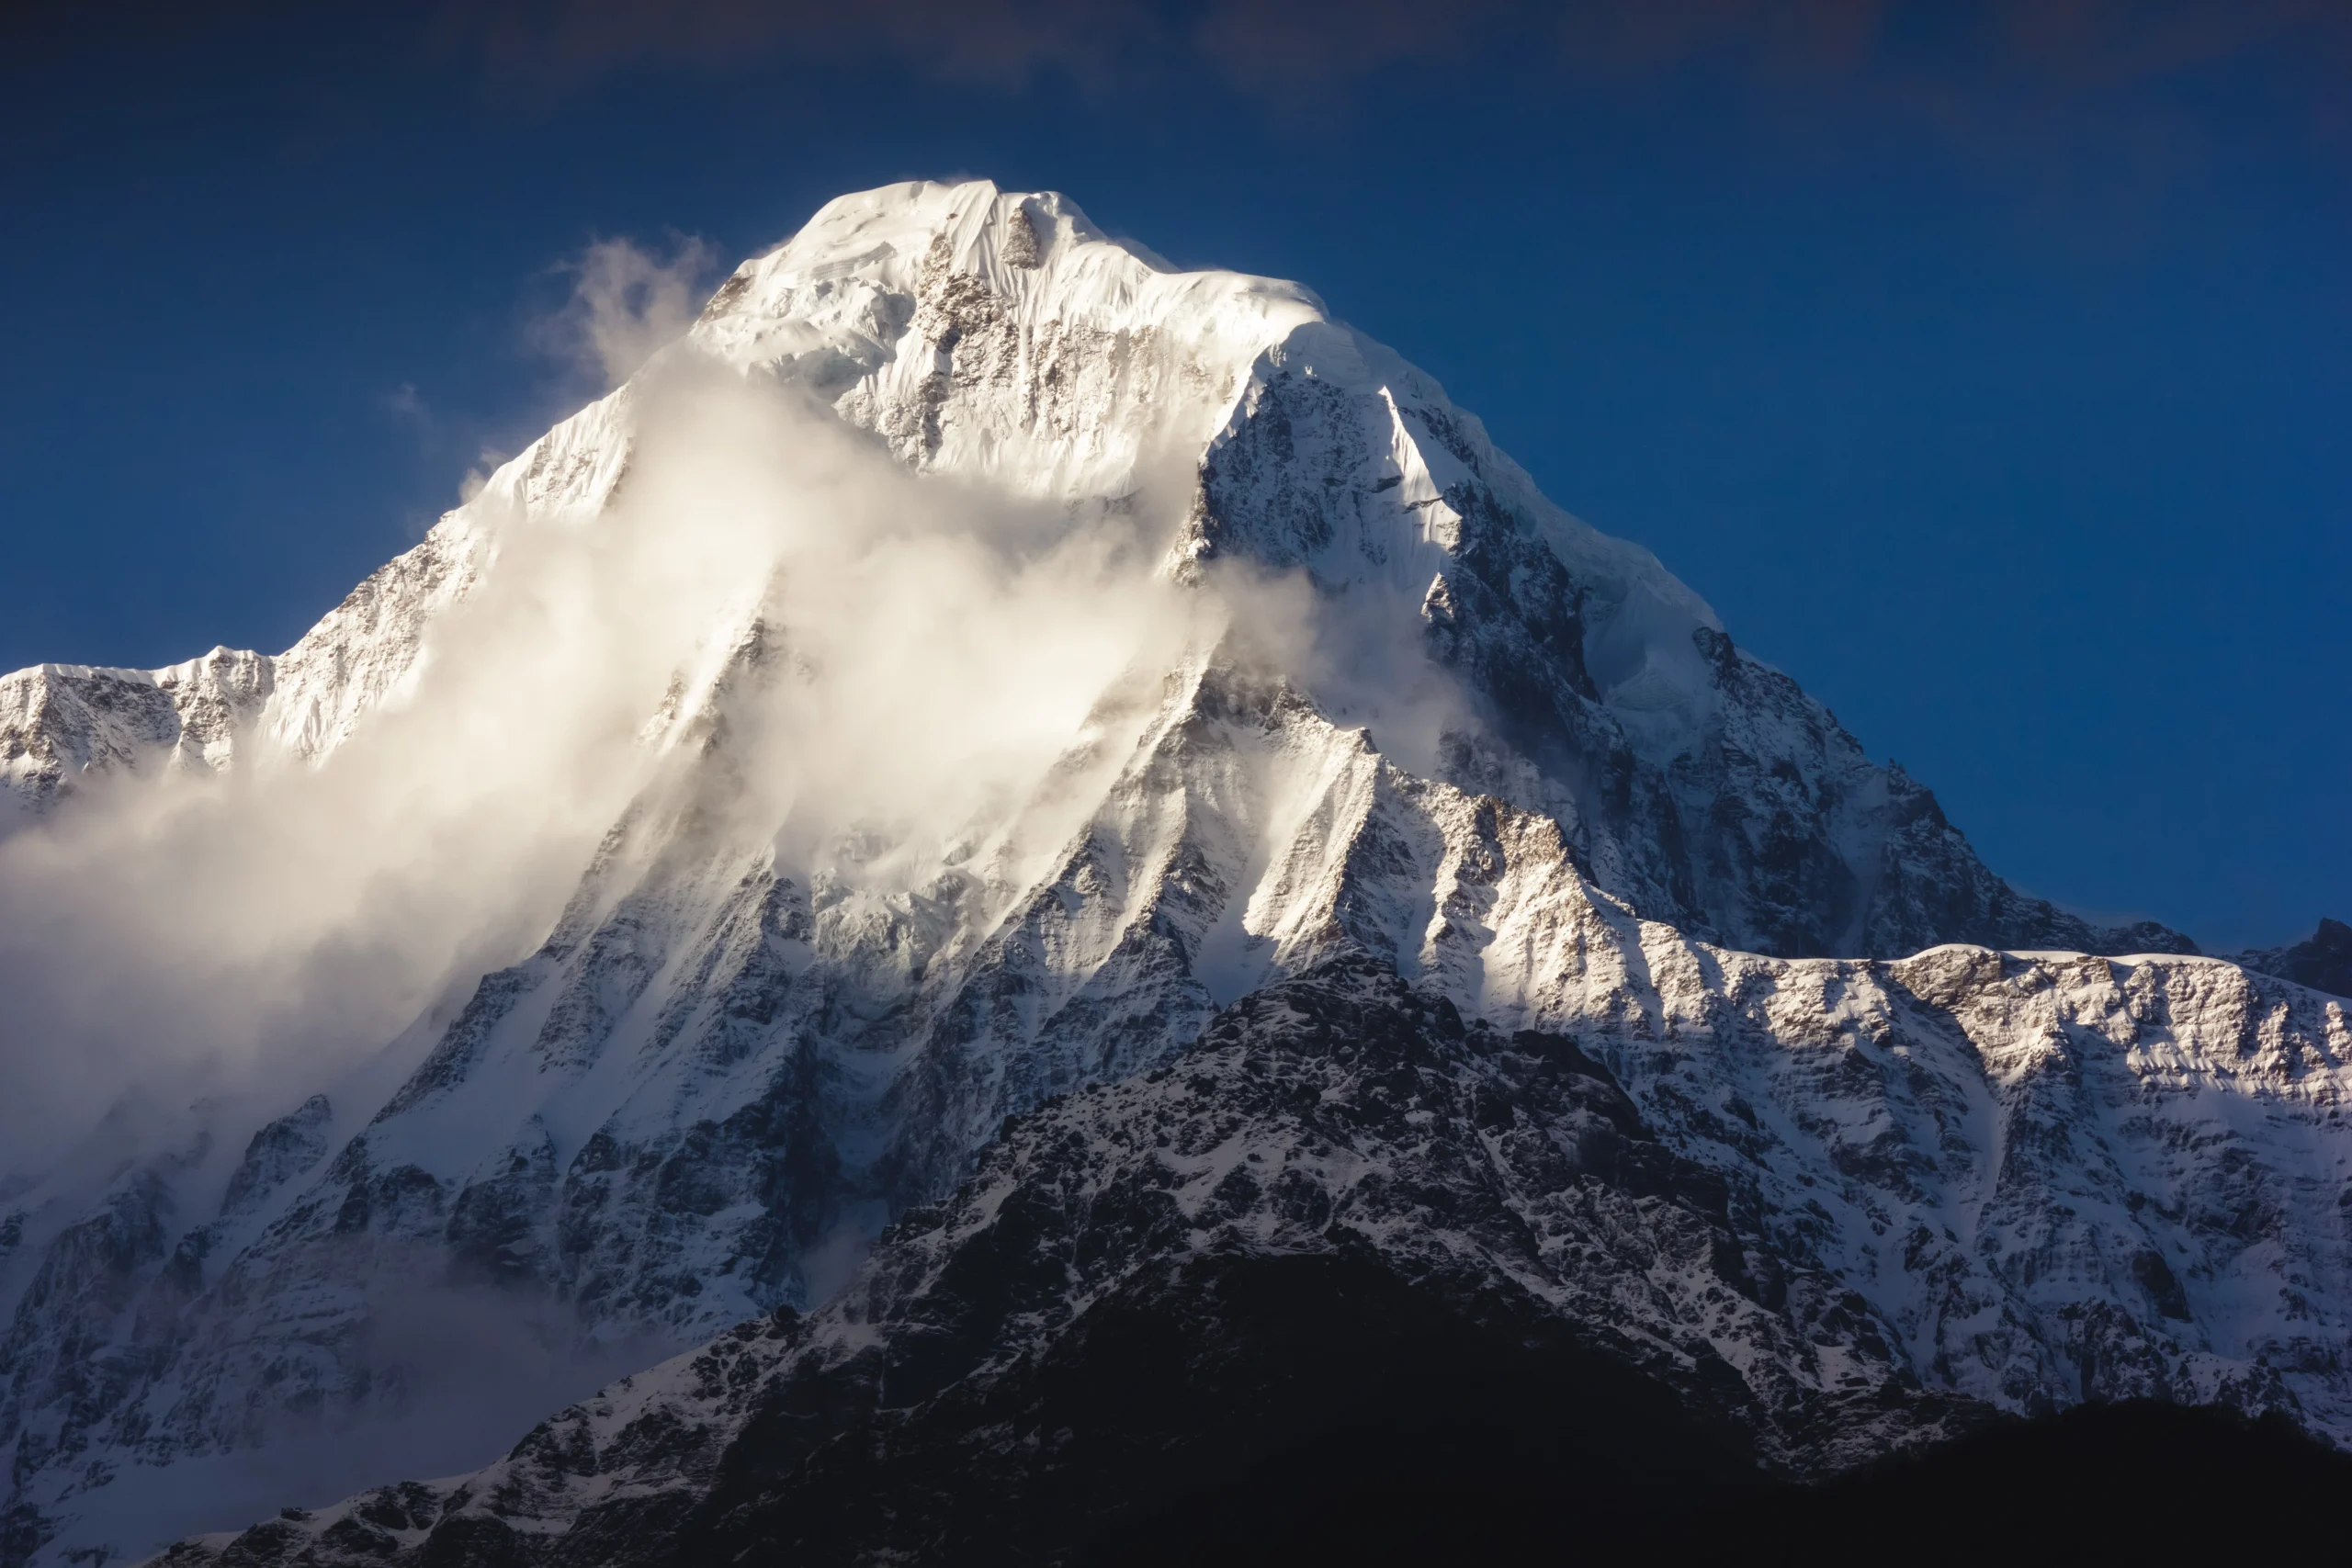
1326 678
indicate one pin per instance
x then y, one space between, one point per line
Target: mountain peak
753 841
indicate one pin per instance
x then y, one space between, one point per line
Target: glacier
1316 677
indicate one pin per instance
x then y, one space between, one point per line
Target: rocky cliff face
2011 1180
1342 1201
1345 1222
61 724
2324 962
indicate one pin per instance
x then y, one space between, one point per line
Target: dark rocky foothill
1347 1236
2324 962
1339 1285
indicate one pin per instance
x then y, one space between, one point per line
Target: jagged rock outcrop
1343 1204
1345 1219
63 723
2323 962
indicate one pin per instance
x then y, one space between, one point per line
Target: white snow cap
1100 367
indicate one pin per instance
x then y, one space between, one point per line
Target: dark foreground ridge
2137 1481
1353 1280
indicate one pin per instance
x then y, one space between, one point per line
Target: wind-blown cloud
258 933
628 302
902 665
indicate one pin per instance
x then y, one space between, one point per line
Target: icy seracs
2027 1176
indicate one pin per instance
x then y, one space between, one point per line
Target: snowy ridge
2032 1180
736 1054
1338 1136
60 723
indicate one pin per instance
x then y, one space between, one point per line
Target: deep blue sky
1990 370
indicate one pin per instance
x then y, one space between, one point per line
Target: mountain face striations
1452 958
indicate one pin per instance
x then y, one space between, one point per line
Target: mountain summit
978 664
1003 338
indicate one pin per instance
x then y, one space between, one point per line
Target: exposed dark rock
2324 962
2086 1485
285 1149
1350 1233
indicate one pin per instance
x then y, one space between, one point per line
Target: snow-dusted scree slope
1343 1201
1343 1219
971 656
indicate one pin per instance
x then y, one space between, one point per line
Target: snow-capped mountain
1403 711
1002 337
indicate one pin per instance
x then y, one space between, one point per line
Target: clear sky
1988 368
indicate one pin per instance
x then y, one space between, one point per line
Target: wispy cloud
262 932
626 301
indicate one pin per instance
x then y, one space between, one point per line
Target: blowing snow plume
599 925
937 644
766 640
627 302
